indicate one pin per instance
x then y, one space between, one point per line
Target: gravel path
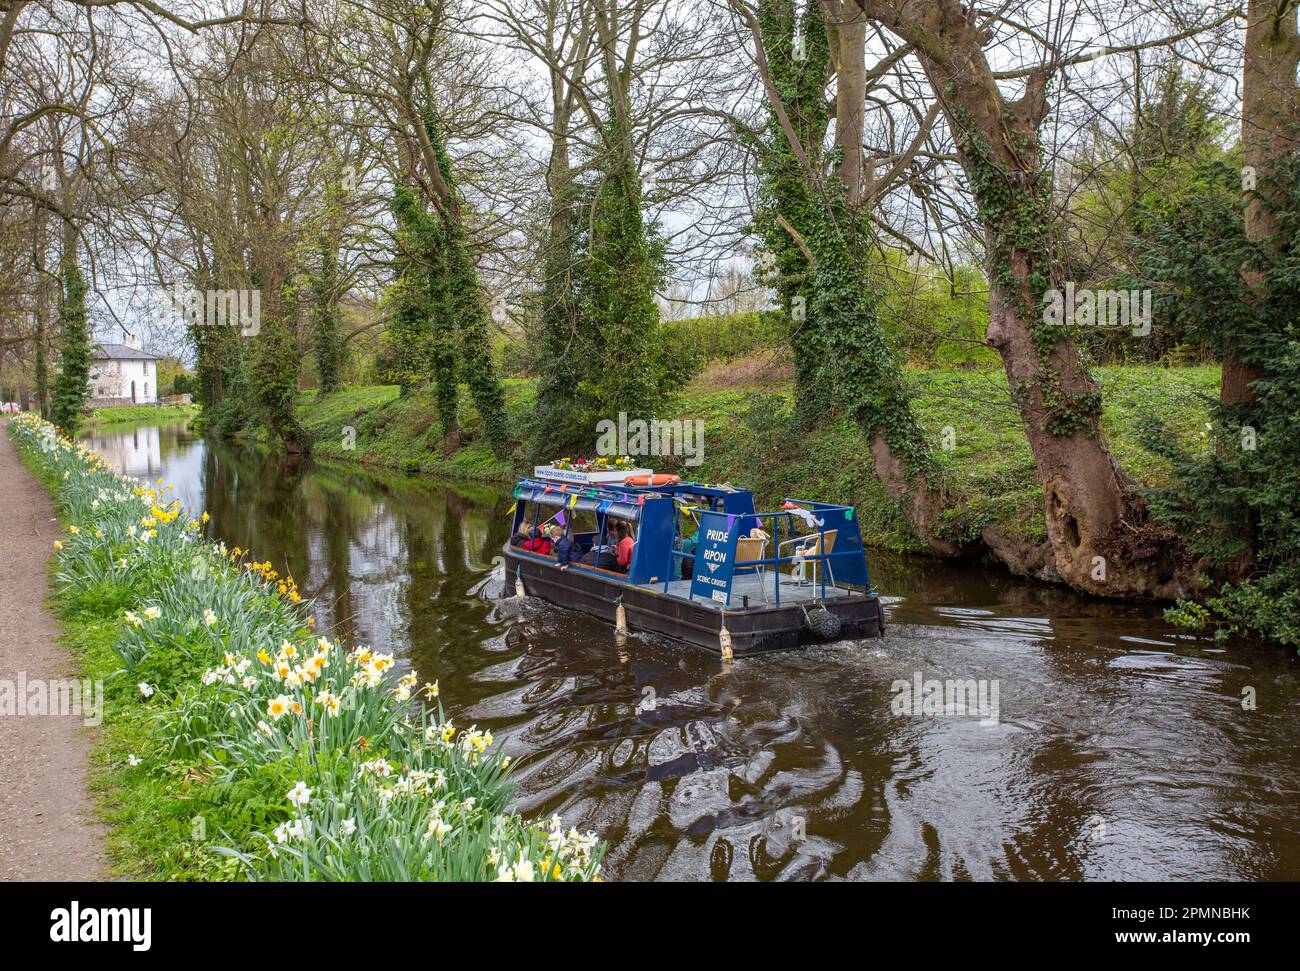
45 833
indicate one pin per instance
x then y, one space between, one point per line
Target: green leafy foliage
1235 497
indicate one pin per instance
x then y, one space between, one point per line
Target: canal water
1118 748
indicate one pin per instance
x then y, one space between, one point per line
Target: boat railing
776 560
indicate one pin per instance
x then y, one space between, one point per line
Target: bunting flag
848 514
519 492
788 505
731 521
513 506
573 500
548 488
559 518
640 500
811 521
564 488
604 506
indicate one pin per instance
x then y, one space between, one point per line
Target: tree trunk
1268 114
849 42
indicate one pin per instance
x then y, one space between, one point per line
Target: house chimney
132 341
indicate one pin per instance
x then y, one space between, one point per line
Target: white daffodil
300 795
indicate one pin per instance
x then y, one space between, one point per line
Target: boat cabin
702 541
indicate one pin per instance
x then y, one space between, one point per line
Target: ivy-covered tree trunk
275 359
810 223
442 347
554 426
467 308
325 313
71 385
1097 526
461 303
622 273
40 365
408 334
218 354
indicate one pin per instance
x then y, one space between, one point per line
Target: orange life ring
652 480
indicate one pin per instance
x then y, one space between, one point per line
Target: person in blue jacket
566 550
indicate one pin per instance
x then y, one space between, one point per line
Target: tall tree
1269 121
813 223
1095 519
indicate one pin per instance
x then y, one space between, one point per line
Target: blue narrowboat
705 567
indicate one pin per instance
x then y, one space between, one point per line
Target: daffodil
300 795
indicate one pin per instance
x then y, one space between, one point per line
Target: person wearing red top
623 546
539 544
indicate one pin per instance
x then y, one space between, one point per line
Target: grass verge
968 416
137 414
238 744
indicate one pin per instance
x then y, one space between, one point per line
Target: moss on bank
972 422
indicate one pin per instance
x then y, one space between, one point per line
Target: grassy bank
748 439
137 414
238 744
379 426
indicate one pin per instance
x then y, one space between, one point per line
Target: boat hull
753 631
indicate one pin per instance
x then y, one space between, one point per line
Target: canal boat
706 567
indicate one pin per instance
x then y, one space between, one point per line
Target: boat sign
715 556
588 477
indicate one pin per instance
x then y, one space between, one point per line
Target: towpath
46 832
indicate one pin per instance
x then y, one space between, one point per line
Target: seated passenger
523 535
566 550
541 543
684 567
623 546
605 557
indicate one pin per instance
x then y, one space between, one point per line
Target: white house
123 374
